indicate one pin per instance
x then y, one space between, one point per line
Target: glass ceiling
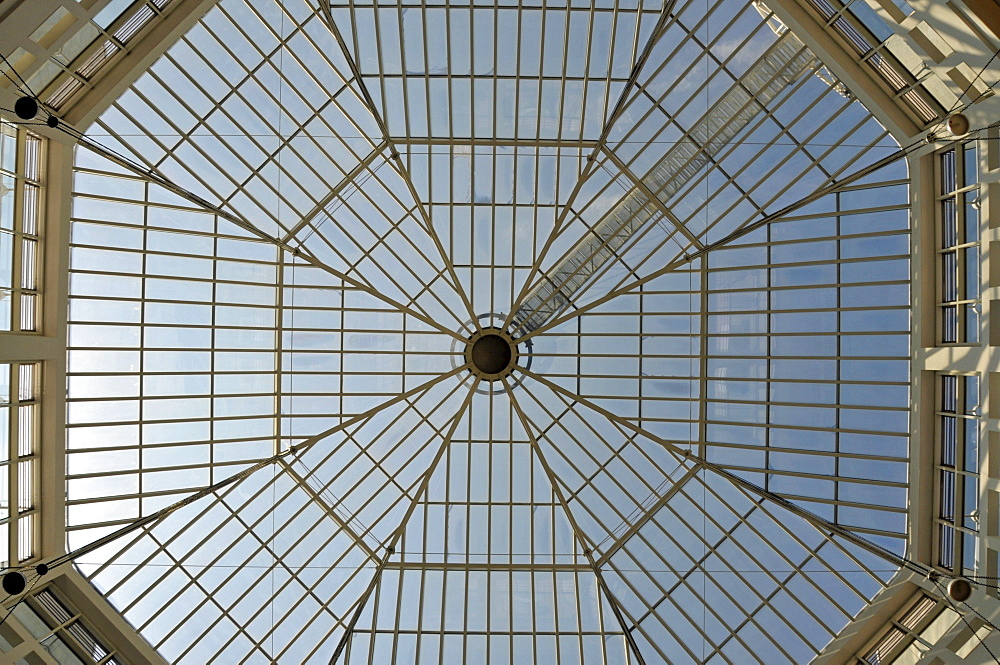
565 175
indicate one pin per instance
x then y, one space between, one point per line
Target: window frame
956 192
954 539
26 230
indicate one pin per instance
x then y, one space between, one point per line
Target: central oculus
491 353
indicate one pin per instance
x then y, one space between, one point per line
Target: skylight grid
735 596
222 576
440 70
171 352
461 481
288 124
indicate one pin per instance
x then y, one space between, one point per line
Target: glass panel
971 233
26 430
28 263
26 537
26 381
29 215
5 307
7 192
971 164
949 393
971 389
26 492
111 12
8 147
948 440
949 223
947 503
971 503
6 260
5 473
948 181
949 276
28 312
972 288
969 551
971 445
971 324
946 546
33 146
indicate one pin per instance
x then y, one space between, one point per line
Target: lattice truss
552 170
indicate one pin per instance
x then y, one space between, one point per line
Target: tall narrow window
958 205
958 472
20 188
18 447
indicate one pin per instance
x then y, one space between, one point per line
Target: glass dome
488 305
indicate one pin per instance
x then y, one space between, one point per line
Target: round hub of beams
491 353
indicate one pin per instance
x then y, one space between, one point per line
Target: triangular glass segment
609 478
369 228
253 109
264 574
489 500
344 351
716 572
493 206
370 474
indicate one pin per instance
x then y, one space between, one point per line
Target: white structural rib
782 64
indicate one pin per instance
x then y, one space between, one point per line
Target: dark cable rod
166 183
817 521
43 568
304 255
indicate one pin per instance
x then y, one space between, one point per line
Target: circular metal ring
520 352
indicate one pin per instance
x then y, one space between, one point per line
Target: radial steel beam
191 498
577 533
298 252
390 547
820 523
781 65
